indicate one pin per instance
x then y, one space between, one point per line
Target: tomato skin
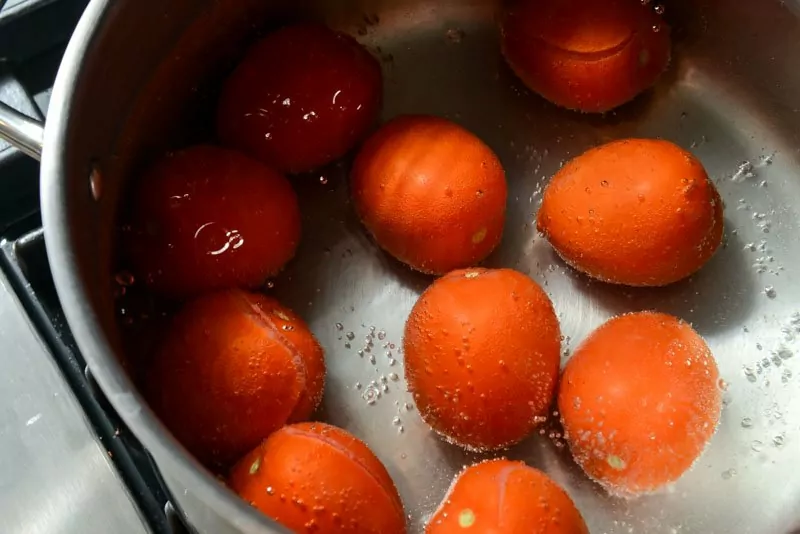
314 477
301 98
506 497
585 55
208 218
637 212
431 193
234 367
639 400
482 352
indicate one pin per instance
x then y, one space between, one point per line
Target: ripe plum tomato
209 218
585 55
505 497
482 352
314 477
232 368
302 97
431 193
639 400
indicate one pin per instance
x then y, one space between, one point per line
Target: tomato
482 352
313 477
505 497
302 97
586 55
431 193
638 212
208 218
639 400
233 368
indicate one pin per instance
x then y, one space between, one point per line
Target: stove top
68 464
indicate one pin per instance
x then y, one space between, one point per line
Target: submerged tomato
302 97
505 497
586 55
482 350
639 400
638 212
209 218
232 368
431 193
313 477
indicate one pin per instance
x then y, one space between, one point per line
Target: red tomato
211 218
313 477
639 400
587 55
302 97
482 351
505 497
431 193
232 368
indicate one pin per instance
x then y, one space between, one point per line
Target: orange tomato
639 401
432 194
505 497
234 367
481 351
638 212
208 218
586 55
302 97
313 477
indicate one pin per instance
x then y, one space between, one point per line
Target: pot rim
83 320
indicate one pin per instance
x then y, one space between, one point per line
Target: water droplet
270 491
371 394
750 373
743 172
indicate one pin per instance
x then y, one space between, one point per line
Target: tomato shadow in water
718 298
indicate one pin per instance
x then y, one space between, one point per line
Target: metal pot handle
21 131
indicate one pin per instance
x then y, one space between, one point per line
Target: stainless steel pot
135 74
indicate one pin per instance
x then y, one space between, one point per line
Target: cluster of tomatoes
238 374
